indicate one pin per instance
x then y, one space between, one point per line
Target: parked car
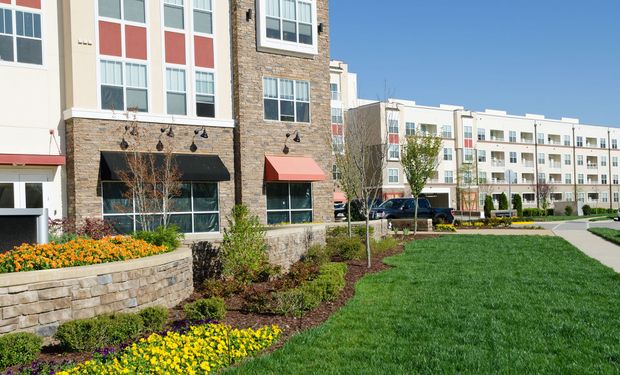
357 212
340 212
404 208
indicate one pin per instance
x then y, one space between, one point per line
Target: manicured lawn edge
611 235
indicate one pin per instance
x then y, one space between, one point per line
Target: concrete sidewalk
593 246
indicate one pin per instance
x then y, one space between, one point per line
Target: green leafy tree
420 160
517 204
488 206
503 202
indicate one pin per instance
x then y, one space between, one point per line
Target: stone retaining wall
39 301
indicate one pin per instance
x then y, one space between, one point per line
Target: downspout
609 166
575 171
536 163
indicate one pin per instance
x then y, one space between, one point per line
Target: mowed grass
468 304
611 235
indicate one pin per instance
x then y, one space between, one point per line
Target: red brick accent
135 42
110 39
175 48
337 129
204 52
394 139
27 3
5 1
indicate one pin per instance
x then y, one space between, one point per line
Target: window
176 95
447 154
614 144
581 197
338 144
615 179
393 152
393 177
580 179
614 161
286 100
481 134
121 94
205 94
112 85
541 139
446 131
335 91
289 203
579 141
542 178
468 155
568 178
448 177
482 177
335 173
173 14
604 179
603 161
290 21
579 159
616 197
567 159
133 10
7 195
110 8
467 132
194 210
567 140
393 126
203 16
603 143
541 158
409 129
568 196
6 35
604 197
512 136
28 39
337 116
482 156
513 157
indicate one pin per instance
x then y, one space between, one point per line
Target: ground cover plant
77 252
468 304
611 235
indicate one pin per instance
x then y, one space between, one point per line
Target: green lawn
564 218
468 304
611 235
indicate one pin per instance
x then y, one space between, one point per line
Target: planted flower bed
78 252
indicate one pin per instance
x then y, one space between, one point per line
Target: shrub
343 231
533 212
383 245
95 228
154 318
19 349
65 230
170 237
222 288
206 309
445 228
244 252
517 204
318 254
587 210
488 206
99 332
568 210
346 248
503 201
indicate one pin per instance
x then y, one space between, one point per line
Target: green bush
533 212
318 254
169 237
343 231
587 210
222 288
383 245
517 204
154 318
244 251
568 210
503 201
19 349
99 332
346 248
488 206
206 309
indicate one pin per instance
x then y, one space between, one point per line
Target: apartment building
31 124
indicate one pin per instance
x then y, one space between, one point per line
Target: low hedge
347 248
19 349
206 309
154 318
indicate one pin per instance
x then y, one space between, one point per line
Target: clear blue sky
559 58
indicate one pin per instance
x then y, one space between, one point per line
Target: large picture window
21 37
123 91
289 203
194 210
289 20
286 100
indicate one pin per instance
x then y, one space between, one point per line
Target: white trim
281 46
98 114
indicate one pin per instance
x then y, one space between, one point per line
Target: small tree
543 193
517 204
420 161
467 180
488 206
348 182
503 202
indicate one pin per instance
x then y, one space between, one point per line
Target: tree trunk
415 217
349 219
368 237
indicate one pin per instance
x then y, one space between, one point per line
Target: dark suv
404 208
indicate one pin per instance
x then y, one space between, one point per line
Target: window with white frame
446 131
580 179
447 154
482 198
614 144
482 177
393 152
581 197
568 178
603 161
174 14
203 16
481 134
614 161
482 156
21 37
604 179
448 177
542 178
335 90
603 143
129 10
567 140
288 25
616 197
468 155
513 157
615 179
579 159
512 136
176 92
25 192
467 132
579 141
541 158
286 100
567 159
336 173
409 129
205 94
604 197
289 203
337 116
123 89
541 139
393 126
393 176
338 144
568 196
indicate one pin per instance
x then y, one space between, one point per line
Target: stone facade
86 139
255 137
40 301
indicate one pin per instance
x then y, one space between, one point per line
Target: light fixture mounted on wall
296 139
203 134
124 145
168 130
248 15
160 146
320 27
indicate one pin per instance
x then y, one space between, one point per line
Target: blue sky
551 57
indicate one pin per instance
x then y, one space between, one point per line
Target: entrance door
24 190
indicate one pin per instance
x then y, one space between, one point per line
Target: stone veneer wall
255 137
39 301
86 138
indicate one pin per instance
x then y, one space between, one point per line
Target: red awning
292 168
23 159
339 196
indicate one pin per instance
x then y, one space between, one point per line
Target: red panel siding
135 42
469 143
337 129
26 159
110 39
175 48
203 51
5 1
27 3
394 139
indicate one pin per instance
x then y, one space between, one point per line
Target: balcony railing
592 166
498 163
555 165
498 139
528 164
336 95
526 181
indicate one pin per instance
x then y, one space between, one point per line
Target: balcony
527 163
592 179
527 137
428 129
592 166
497 135
555 164
498 163
498 178
555 178
554 139
336 95
591 142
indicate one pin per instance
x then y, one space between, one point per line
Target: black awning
192 167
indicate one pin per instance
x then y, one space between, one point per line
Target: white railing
498 163
336 95
592 166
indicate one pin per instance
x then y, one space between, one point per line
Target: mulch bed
290 325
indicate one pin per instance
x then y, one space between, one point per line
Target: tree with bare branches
467 182
543 193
